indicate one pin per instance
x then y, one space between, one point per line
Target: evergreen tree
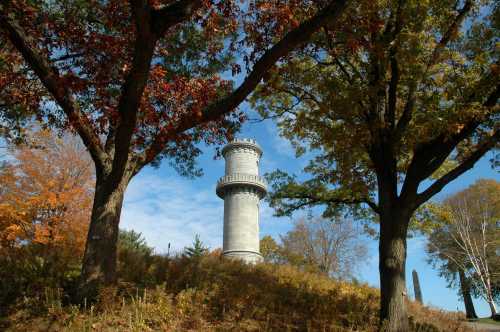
197 250
134 242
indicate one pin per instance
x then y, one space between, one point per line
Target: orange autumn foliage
46 196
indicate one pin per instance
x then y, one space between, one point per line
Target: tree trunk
99 260
470 312
493 307
392 261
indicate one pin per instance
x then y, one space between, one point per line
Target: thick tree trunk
392 261
470 312
99 261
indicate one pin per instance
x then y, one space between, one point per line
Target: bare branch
472 244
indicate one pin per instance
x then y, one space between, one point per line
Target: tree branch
311 200
393 87
150 26
429 156
281 112
450 33
215 111
172 14
393 62
133 88
405 118
294 38
467 164
447 37
50 78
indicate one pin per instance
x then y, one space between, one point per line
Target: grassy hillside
210 294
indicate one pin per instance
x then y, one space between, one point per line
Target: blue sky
167 208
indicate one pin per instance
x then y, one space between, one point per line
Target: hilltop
212 294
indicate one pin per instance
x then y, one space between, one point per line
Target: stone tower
241 188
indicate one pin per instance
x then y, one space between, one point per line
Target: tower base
249 257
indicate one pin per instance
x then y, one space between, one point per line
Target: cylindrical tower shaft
241 188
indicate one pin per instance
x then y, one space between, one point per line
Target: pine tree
197 250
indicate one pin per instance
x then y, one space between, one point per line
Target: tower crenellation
242 189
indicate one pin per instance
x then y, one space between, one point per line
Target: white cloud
172 210
169 209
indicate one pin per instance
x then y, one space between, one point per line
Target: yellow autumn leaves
46 194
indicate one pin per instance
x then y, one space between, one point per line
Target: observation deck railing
238 179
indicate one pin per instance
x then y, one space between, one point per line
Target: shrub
214 294
137 264
432 319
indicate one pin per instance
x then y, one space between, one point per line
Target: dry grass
215 295
425 317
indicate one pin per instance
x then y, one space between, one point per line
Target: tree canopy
150 75
46 195
392 104
45 199
420 80
140 81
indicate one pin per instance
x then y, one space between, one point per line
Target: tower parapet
242 156
242 189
